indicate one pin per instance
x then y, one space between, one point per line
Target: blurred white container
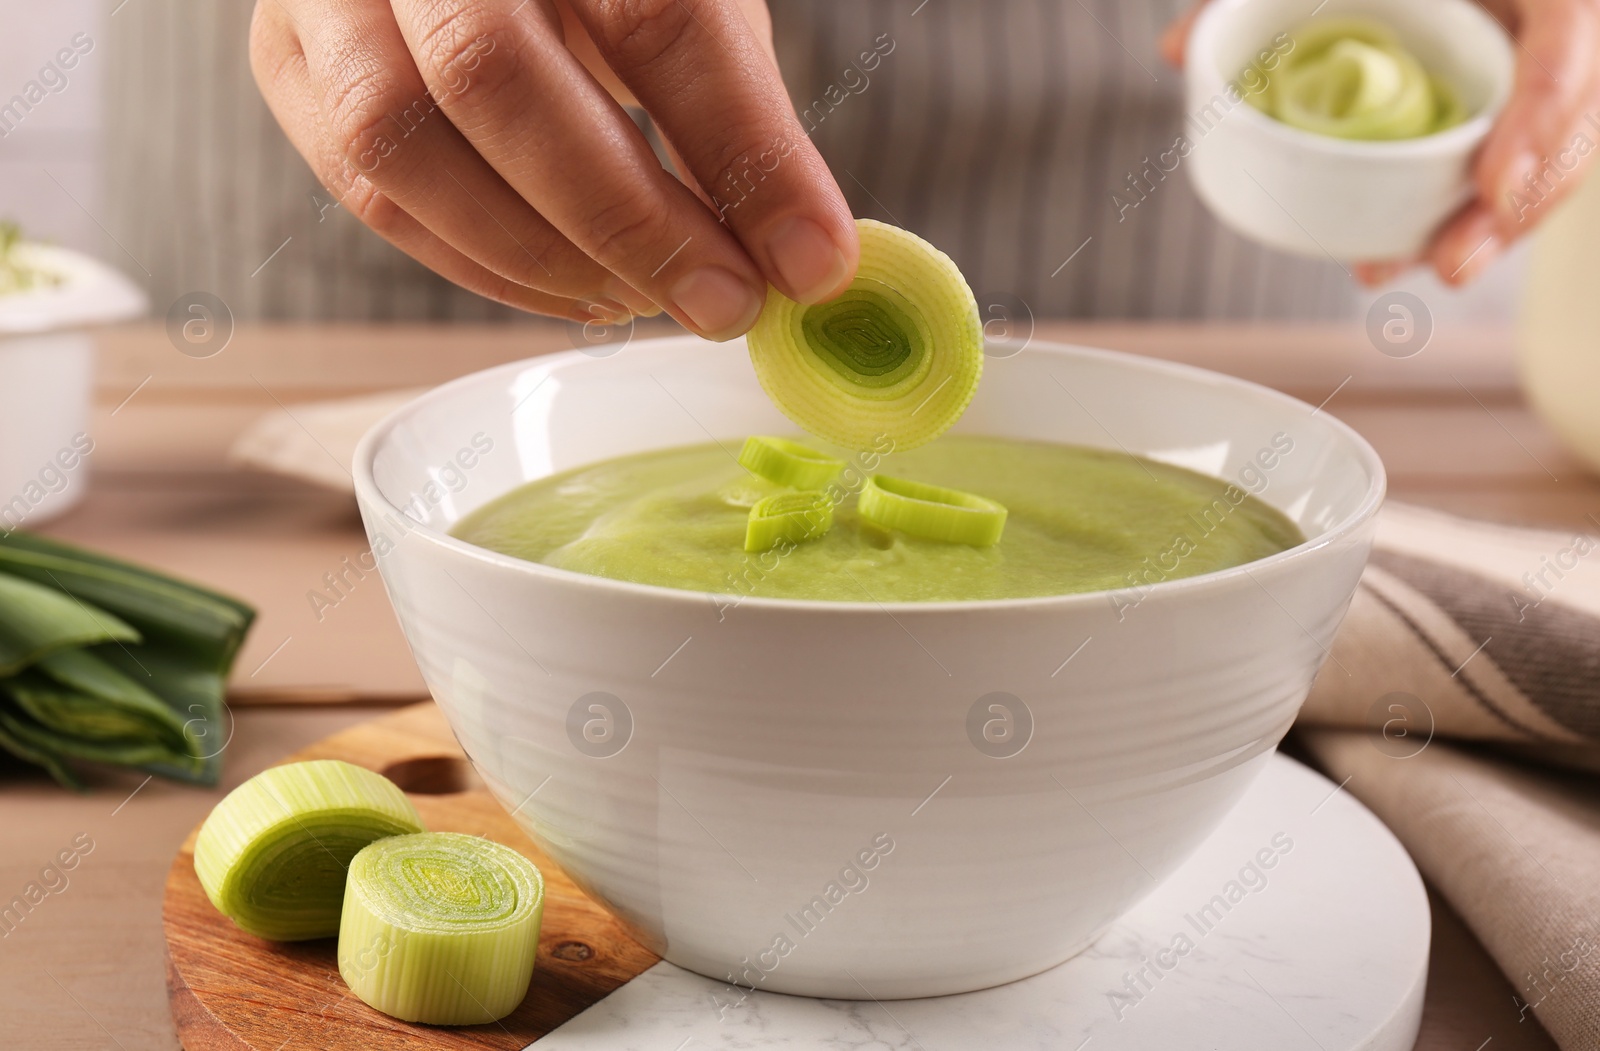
1558 347
47 378
1316 195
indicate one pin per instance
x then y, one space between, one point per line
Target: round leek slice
788 463
272 855
932 511
896 357
440 928
792 517
1352 79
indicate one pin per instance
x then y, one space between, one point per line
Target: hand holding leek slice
896 356
894 359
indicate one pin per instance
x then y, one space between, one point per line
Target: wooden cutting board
231 991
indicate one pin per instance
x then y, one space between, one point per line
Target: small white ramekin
47 378
1315 195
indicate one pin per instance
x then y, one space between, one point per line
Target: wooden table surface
84 969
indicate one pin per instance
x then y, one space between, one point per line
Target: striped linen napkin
1461 703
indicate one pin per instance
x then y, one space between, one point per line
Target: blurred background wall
157 155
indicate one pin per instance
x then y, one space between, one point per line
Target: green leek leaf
205 623
115 752
51 762
78 714
89 673
197 695
123 665
36 620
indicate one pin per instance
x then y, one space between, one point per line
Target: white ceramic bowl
46 379
815 797
1315 195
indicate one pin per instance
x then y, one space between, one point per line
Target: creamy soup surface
1079 519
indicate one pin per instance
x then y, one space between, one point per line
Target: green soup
1080 520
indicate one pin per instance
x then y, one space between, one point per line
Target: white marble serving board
1326 950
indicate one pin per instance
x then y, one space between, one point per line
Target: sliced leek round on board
786 462
792 517
272 855
932 511
440 928
895 358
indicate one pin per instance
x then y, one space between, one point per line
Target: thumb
1175 38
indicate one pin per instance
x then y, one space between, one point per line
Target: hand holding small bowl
1452 200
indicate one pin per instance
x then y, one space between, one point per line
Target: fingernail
1373 275
807 259
1171 44
608 311
638 304
717 304
1476 262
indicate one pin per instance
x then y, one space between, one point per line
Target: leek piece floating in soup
931 511
1353 79
788 518
1074 519
788 462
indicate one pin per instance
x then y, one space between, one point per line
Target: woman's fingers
470 135
1543 141
562 142
702 72
582 45
1467 244
1532 155
387 123
279 64
1375 275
